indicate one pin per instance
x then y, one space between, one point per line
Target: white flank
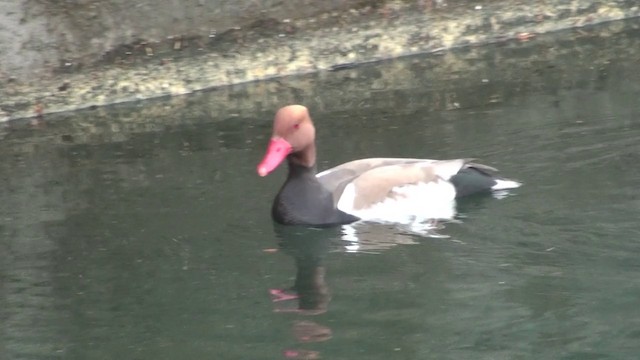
410 204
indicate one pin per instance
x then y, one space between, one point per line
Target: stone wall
66 55
40 35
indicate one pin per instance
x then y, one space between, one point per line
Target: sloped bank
463 79
273 45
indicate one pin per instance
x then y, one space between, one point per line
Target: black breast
302 200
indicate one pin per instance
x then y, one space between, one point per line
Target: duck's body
399 190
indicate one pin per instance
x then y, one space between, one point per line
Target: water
152 239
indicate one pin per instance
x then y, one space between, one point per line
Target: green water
154 241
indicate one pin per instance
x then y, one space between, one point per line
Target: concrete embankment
65 56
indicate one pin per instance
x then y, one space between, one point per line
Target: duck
387 190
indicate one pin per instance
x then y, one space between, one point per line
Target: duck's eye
296 126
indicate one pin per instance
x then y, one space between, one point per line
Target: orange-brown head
293 133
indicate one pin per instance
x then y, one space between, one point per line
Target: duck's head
293 134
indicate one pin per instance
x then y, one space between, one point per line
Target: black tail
470 181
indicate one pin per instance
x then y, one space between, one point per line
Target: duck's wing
387 182
374 179
336 179
331 178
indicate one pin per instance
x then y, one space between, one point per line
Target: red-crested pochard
375 189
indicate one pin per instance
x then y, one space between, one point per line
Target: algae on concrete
457 79
70 55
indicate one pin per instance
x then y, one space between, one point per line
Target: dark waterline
153 240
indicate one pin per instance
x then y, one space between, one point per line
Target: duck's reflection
376 237
309 296
310 293
308 247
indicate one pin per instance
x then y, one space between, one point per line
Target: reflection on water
374 238
310 294
152 239
307 247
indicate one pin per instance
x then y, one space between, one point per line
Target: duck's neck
305 157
